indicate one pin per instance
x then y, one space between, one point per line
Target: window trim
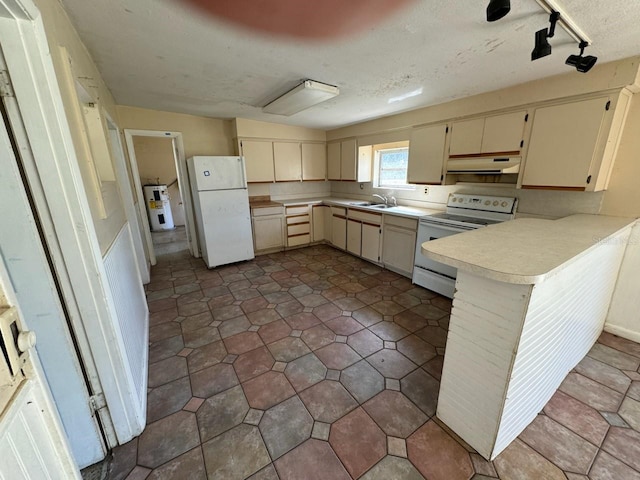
377 149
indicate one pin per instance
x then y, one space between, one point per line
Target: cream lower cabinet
339 227
371 237
399 244
318 214
298 225
268 228
364 234
354 236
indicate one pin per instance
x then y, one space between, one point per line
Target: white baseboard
632 335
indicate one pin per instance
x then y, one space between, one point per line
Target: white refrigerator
221 204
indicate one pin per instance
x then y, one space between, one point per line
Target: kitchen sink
360 204
380 206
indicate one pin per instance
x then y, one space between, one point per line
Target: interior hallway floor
166 242
313 364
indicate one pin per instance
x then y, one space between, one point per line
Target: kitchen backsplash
551 204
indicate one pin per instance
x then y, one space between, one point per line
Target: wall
201 135
156 163
61 33
623 198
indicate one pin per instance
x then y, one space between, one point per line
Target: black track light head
497 9
582 63
542 47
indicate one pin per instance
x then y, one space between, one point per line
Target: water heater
157 200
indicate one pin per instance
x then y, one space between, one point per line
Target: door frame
124 183
62 198
183 184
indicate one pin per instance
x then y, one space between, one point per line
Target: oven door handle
446 227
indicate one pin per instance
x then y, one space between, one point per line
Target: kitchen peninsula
531 299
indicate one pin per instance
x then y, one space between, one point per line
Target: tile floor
312 364
170 241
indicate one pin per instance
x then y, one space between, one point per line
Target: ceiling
160 54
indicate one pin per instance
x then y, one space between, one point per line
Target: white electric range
464 212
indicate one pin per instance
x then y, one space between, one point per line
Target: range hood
484 165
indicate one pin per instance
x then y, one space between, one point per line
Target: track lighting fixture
497 9
542 47
583 64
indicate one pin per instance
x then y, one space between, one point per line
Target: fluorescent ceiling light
305 95
404 96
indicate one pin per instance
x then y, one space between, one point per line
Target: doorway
157 158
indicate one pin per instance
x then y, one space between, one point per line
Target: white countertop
401 210
526 250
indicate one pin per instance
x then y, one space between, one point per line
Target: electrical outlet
426 190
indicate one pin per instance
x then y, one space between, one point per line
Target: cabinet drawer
298 229
297 219
298 210
299 240
373 218
339 211
263 211
410 223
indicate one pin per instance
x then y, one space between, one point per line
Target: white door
32 440
217 173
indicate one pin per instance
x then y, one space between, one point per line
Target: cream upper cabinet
426 155
349 160
287 161
334 153
573 144
314 161
258 156
466 136
503 133
365 164
494 134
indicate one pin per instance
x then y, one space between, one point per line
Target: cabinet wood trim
372 224
366 211
297 235
488 154
340 216
544 187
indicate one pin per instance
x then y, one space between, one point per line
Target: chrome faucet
381 197
393 201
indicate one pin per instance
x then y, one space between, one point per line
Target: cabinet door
371 242
426 155
354 237
339 232
317 218
268 232
563 143
287 161
258 158
365 164
349 160
328 224
503 133
398 248
314 161
334 153
466 137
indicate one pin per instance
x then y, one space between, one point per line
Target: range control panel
482 203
